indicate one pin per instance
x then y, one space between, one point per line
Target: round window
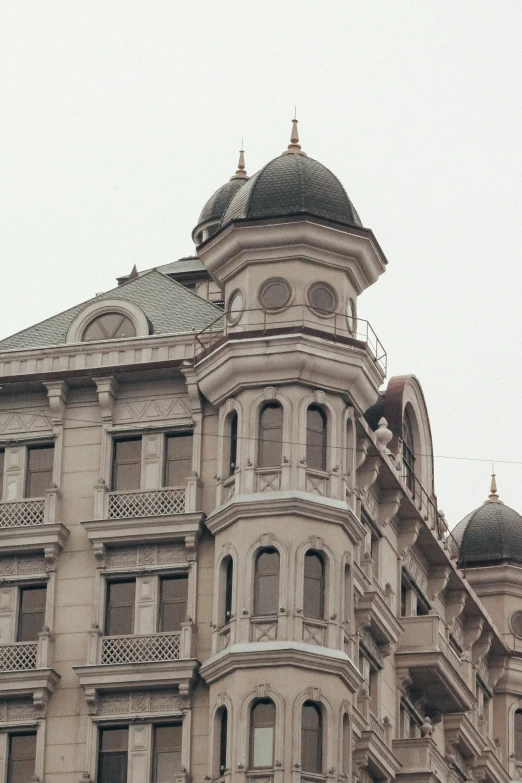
275 294
351 316
235 307
516 623
322 299
109 326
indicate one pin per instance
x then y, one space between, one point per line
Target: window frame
31 448
321 582
112 581
153 756
261 429
169 435
323 432
161 603
256 590
19 733
114 461
26 587
319 749
261 725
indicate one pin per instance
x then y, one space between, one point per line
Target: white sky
119 118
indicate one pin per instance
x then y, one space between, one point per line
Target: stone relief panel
22 565
416 571
25 423
139 702
15 710
154 555
163 409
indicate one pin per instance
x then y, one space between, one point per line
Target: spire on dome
493 494
241 171
294 146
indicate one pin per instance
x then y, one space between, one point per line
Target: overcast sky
118 120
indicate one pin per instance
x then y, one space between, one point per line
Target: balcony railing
141 649
21 513
18 657
377 727
295 319
149 503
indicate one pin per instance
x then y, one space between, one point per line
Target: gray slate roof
490 534
289 185
183 265
217 204
169 306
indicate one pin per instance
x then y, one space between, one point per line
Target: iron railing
148 503
18 657
141 649
300 319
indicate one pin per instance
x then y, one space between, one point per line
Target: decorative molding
18 710
455 602
438 579
162 701
106 388
389 503
21 565
482 646
416 571
409 530
159 409
22 423
368 472
472 631
145 556
57 392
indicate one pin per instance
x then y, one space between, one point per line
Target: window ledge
49 538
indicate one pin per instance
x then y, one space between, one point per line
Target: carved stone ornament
18 710
408 534
139 702
416 571
22 565
159 409
438 579
22 422
368 472
388 506
144 556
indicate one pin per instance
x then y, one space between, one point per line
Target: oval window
275 294
235 307
322 299
516 623
109 326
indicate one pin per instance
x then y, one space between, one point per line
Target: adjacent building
221 555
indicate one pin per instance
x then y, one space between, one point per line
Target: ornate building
221 555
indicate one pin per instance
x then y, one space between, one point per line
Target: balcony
140 660
375 609
372 749
31 525
25 668
295 319
435 669
144 516
421 761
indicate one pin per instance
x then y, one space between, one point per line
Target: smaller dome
490 534
217 205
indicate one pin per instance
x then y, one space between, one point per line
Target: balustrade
21 513
18 657
148 503
141 649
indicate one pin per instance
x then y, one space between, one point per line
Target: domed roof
490 534
292 184
217 204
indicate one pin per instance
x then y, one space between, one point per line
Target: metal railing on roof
294 319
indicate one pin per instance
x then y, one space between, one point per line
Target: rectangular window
120 608
22 755
113 752
173 603
166 756
31 616
2 460
178 460
39 471
126 469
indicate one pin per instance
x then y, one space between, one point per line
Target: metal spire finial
493 494
241 171
294 146
134 273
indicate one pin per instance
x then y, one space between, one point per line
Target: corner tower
289 374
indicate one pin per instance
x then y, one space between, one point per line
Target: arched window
408 451
270 452
262 731
223 739
347 595
311 738
229 580
266 588
518 735
346 745
315 438
109 326
313 593
232 449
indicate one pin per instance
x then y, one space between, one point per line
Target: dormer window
109 326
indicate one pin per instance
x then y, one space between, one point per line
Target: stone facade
383 663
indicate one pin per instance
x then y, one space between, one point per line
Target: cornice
143 529
33 538
277 654
132 675
286 503
38 683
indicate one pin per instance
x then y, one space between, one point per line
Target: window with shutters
31 613
315 438
178 459
266 582
262 734
21 757
113 755
166 753
311 738
39 472
121 599
270 436
314 586
172 603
